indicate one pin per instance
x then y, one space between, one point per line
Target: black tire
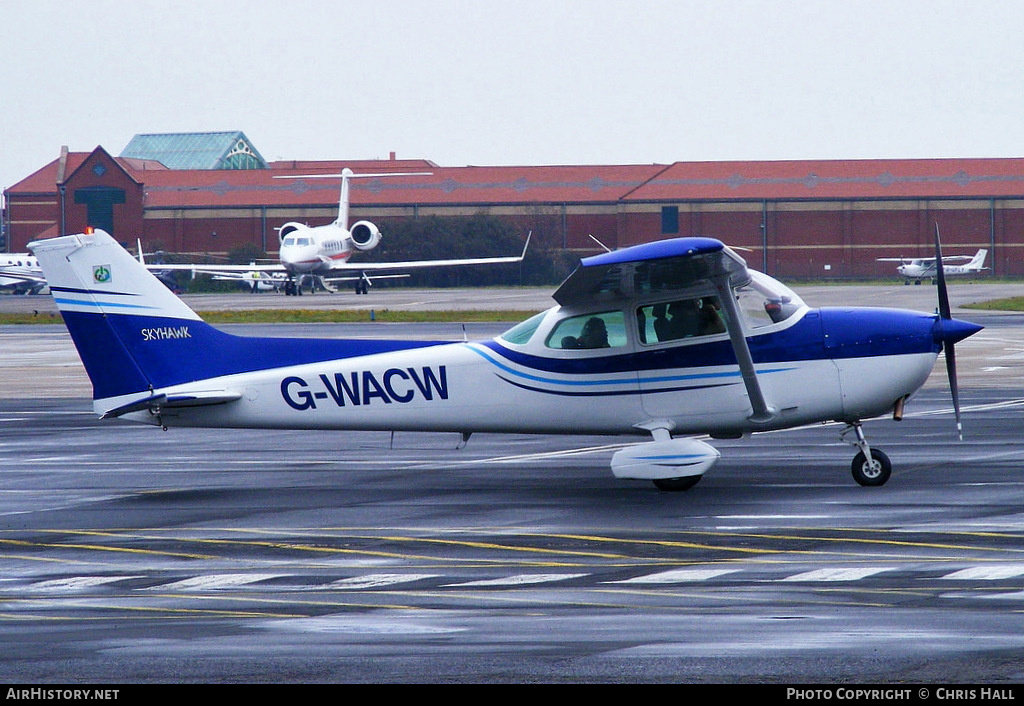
677 484
871 474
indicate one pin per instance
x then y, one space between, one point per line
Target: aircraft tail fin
122 319
979 259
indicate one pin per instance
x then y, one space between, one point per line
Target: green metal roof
197 150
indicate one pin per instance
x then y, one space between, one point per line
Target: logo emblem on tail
101 273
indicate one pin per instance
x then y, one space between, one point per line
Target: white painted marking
987 573
771 517
1006 404
1013 596
838 574
77 583
520 580
678 576
217 581
546 455
378 580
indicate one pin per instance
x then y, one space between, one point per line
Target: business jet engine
289 228
365 235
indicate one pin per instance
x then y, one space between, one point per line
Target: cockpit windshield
521 333
766 301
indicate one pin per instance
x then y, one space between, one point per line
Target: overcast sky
523 82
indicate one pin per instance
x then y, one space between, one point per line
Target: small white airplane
664 340
20 273
321 253
924 267
256 281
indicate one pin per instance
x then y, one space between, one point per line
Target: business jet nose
288 255
949 331
297 256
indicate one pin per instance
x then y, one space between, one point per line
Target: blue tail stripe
110 365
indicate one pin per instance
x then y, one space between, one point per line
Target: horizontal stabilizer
154 403
356 278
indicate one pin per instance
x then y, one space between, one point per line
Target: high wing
660 266
926 261
665 266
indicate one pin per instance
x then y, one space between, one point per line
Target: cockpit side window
590 331
683 318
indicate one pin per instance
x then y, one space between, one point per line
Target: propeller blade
947 344
940 278
953 387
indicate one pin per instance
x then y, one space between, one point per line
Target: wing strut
762 412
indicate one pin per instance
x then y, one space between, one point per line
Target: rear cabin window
683 318
590 331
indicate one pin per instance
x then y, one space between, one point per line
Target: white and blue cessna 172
664 340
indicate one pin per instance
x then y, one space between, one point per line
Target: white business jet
322 252
921 268
665 340
21 274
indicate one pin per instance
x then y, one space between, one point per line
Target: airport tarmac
134 555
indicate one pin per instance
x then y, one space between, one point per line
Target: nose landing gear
870 467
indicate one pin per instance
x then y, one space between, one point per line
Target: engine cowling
365 235
289 228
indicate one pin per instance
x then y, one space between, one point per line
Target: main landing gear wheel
677 484
874 472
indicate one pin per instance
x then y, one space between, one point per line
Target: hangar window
99 202
669 220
